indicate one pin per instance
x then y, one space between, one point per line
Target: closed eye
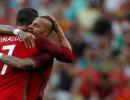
36 25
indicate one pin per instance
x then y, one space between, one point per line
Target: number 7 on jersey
11 49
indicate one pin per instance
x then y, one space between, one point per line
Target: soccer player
13 82
42 26
36 26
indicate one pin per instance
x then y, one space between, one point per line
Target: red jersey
38 81
13 81
39 78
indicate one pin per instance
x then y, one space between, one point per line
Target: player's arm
60 53
16 62
6 29
30 63
62 38
10 30
25 36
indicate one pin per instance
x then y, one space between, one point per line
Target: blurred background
99 33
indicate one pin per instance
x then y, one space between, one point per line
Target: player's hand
28 38
56 25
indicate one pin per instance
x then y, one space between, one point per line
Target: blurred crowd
99 33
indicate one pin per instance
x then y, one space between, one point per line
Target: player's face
38 27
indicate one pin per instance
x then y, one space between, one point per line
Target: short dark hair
26 16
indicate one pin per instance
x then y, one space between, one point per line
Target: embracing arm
62 38
28 38
30 63
60 53
6 29
18 63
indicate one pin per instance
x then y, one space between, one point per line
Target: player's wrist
1 54
16 31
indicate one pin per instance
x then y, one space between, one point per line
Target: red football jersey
37 84
13 81
39 78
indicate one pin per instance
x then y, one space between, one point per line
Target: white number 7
11 49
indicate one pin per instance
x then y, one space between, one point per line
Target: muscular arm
30 63
62 38
18 63
6 29
60 53
25 36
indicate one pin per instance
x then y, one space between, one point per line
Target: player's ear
46 34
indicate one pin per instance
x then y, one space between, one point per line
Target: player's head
25 17
42 25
